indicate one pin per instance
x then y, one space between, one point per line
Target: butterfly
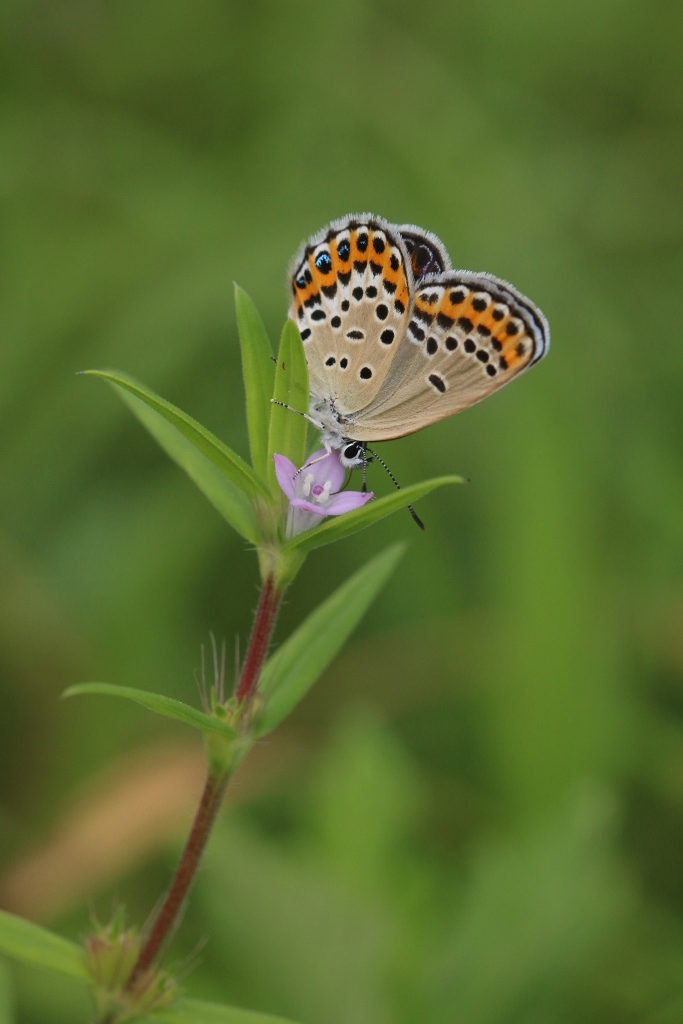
395 339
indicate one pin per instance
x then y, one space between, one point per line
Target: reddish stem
187 867
209 805
262 631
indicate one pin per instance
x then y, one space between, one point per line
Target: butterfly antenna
364 488
395 482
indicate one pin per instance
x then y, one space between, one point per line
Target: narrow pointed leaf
338 527
22 940
299 662
228 462
225 497
195 1011
287 435
6 999
156 702
258 372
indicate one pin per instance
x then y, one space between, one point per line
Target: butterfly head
351 455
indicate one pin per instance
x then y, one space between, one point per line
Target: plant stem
214 789
262 631
209 806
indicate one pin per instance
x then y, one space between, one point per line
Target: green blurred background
477 815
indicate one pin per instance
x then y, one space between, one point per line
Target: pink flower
313 490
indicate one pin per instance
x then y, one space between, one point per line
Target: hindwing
468 335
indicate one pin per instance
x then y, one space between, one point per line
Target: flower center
321 494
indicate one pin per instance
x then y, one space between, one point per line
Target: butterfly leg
312 462
316 423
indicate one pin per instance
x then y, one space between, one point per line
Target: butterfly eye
352 451
323 262
344 250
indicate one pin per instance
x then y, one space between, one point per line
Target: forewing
427 253
468 335
351 286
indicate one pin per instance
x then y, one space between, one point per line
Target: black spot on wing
438 382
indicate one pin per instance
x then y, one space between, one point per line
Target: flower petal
285 471
327 468
347 501
309 506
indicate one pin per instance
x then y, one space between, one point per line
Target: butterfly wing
427 253
468 335
351 287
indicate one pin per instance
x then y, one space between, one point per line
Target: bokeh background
477 815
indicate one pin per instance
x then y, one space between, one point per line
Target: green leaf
156 702
22 940
258 372
337 527
295 666
228 462
287 435
227 499
6 999
194 1011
